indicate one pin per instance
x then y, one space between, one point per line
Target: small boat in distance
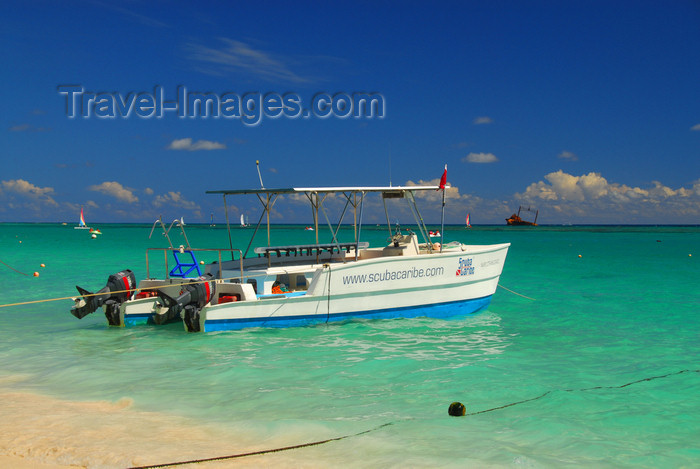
243 221
81 223
515 219
434 234
469 225
95 231
309 228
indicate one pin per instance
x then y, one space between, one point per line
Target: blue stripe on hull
441 310
138 319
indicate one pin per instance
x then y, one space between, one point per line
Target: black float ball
457 409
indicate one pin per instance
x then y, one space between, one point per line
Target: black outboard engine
119 288
193 297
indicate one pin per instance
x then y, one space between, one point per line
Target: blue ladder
183 268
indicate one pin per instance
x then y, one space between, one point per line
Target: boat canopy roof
317 195
299 190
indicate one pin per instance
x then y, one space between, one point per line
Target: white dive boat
292 285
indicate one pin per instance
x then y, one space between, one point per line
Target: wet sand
41 432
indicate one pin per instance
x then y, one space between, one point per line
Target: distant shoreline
383 226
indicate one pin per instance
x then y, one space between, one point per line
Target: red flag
443 179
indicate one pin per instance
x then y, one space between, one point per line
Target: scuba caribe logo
465 267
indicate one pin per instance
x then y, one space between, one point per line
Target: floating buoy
36 274
20 242
201 262
43 265
94 236
457 409
689 255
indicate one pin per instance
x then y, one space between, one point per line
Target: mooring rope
328 300
264 451
9 266
651 378
158 287
516 293
316 443
47 300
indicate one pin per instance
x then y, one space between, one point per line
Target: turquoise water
624 311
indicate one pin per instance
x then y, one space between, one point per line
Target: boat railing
182 269
308 249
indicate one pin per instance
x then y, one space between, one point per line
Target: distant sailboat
81 223
469 225
212 220
243 221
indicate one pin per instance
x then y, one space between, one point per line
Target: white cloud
566 187
238 56
483 120
174 199
480 158
695 127
148 191
27 128
133 15
567 155
452 191
591 197
27 189
116 190
189 145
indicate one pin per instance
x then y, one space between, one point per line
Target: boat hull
137 312
439 285
140 311
520 223
440 310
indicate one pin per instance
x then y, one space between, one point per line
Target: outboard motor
193 297
119 288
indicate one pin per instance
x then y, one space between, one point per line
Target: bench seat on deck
309 249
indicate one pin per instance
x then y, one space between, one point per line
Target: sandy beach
18 462
41 432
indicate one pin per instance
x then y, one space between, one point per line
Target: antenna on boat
257 165
389 165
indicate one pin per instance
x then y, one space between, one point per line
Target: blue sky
587 110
